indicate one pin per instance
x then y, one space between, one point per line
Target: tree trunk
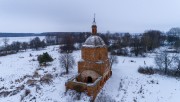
166 66
67 68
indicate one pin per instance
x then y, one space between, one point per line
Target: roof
94 41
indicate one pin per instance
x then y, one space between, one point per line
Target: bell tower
94 27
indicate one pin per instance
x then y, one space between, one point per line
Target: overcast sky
76 15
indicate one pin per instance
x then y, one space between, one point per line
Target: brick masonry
93 70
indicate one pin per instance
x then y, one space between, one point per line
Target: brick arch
89 79
89 74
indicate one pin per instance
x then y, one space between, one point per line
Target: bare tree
126 39
174 31
112 59
137 45
178 65
66 61
24 45
153 37
35 43
177 45
5 41
177 61
68 42
146 41
16 46
164 60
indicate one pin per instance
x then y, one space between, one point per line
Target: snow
95 83
18 65
94 41
125 84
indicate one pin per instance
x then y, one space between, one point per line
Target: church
93 68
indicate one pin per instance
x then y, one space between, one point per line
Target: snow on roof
94 41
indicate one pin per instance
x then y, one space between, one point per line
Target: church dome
94 41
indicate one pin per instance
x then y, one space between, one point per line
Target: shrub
119 52
27 92
45 57
170 72
47 79
4 93
146 70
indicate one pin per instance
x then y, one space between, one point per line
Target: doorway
89 79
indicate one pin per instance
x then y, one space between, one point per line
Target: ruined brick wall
100 68
89 73
94 54
78 86
92 90
85 65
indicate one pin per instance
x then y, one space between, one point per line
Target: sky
134 16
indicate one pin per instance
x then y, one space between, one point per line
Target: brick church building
94 67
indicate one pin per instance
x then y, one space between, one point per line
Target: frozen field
125 85
14 67
20 39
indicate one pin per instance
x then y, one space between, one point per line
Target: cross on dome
94 21
94 27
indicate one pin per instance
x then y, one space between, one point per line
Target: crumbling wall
94 54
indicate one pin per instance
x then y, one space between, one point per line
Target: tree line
118 43
17 46
137 44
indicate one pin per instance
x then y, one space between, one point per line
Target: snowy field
125 85
15 67
20 39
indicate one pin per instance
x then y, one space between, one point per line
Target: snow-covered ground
15 67
20 39
125 85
